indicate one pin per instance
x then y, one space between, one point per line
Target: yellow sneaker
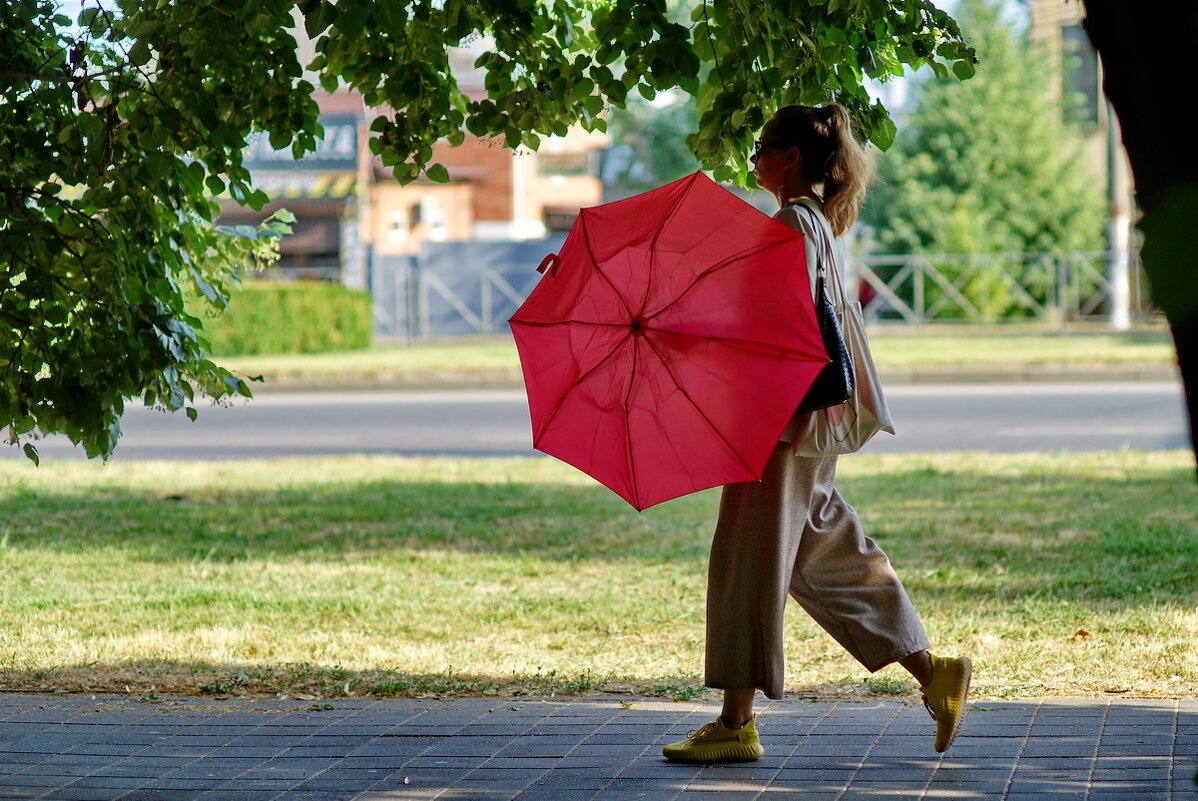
717 743
945 695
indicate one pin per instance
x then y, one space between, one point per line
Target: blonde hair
832 159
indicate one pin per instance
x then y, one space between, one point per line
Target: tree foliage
988 165
105 224
649 141
118 127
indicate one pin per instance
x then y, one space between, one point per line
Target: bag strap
828 255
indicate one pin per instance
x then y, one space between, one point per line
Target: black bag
835 382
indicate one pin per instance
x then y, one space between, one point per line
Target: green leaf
883 134
964 70
316 21
139 54
191 412
438 173
32 455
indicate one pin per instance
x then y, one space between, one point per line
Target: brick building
350 209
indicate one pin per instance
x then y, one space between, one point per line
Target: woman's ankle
919 665
738 708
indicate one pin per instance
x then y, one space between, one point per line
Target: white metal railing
918 288
414 299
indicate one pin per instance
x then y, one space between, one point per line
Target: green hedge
290 317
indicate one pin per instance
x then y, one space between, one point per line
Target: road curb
950 374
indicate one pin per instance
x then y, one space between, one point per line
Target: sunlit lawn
1056 573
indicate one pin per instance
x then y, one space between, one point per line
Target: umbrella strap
550 263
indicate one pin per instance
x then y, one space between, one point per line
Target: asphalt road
929 418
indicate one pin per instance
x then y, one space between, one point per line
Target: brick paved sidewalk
177 749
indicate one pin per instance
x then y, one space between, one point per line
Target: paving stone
278 785
49 769
782 791
191 783
1155 789
442 777
909 776
90 794
468 746
972 774
1130 774
170 751
15 780
1047 788
23 792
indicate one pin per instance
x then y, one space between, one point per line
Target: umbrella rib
657 235
714 268
636 487
665 363
552 323
562 398
586 234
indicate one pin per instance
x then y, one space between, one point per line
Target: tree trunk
1146 53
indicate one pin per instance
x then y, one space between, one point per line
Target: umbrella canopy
669 341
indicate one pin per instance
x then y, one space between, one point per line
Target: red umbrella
669 342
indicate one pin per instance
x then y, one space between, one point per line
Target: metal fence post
417 302
484 286
920 288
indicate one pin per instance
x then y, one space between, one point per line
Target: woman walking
791 533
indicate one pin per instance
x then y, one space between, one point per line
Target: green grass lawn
324 577
943 346
893 347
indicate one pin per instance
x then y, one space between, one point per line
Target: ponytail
832 159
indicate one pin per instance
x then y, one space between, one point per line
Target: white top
813 239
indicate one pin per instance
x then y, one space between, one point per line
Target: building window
398 226
565 164
434 218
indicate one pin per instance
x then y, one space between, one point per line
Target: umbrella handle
550 262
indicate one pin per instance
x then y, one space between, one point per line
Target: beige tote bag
847 427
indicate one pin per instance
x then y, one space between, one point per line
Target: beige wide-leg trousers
792 533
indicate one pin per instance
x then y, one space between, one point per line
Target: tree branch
714 57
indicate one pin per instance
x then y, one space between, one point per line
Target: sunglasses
760 145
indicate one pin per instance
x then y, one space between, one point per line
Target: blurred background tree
987 166
649 142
